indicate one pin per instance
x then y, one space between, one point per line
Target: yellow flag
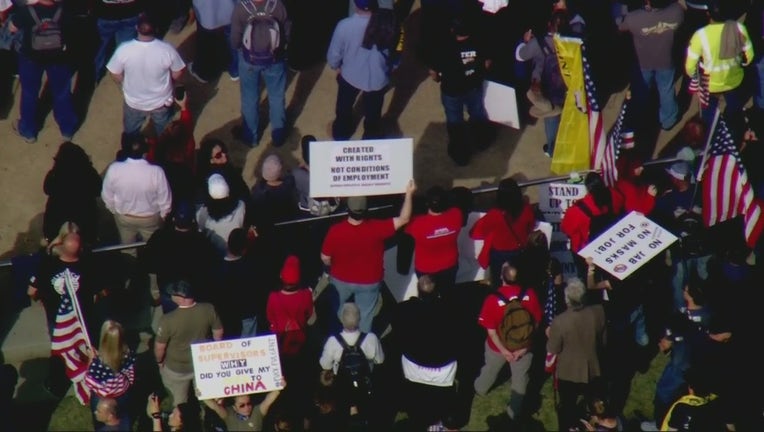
571 149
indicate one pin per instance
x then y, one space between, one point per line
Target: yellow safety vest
704 48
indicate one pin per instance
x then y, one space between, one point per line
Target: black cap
183 215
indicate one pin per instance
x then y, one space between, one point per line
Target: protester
353 251
146 68
110 376
504 229
220 213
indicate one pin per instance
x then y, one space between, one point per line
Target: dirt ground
412 109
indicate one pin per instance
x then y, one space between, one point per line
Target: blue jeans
233 54
59 83
734 99
364 295
637 319
133 119
551 126
342 128
671 383
120 30
682 271
758 94
274 76
668 112
472 100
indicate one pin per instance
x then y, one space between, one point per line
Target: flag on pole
594 113
69 342
616 139
726 190
699 84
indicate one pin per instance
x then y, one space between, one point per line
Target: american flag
699 84
70 344
616 138
726 191
106 382
596 128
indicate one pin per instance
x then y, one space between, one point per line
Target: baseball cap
679 170
357 204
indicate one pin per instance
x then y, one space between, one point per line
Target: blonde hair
113 348
54 248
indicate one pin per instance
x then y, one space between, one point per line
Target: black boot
458 147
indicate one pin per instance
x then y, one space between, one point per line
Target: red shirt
289 311
357 251
435 237
635 196
493 228
493 308
575 223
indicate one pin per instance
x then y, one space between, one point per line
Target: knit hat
272 168
217 187
290 273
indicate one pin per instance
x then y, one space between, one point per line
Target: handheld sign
237 367
356 168
500 104
554 200
628 245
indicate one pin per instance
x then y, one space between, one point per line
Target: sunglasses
218 155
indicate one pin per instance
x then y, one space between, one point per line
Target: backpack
354 370
692 235
46 34
517 325
552 84
262 38
597 224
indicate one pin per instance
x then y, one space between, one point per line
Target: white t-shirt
147 65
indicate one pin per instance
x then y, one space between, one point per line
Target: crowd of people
219 264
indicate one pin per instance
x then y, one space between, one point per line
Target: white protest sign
237 367
501 104
628 245
365 167
554 200
403 287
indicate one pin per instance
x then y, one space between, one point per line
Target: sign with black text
357 168
237 367
628 245
554 200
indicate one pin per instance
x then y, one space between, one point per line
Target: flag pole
76 306
710 137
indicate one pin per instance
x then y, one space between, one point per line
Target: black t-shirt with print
462 67
50 285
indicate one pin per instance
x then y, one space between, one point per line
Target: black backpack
46 35
600 223
354 370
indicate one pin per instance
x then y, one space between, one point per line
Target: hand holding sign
237 367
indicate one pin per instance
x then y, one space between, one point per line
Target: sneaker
193 74
648 426
15 127
238 134
279 137
546 151
234 78
67 137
